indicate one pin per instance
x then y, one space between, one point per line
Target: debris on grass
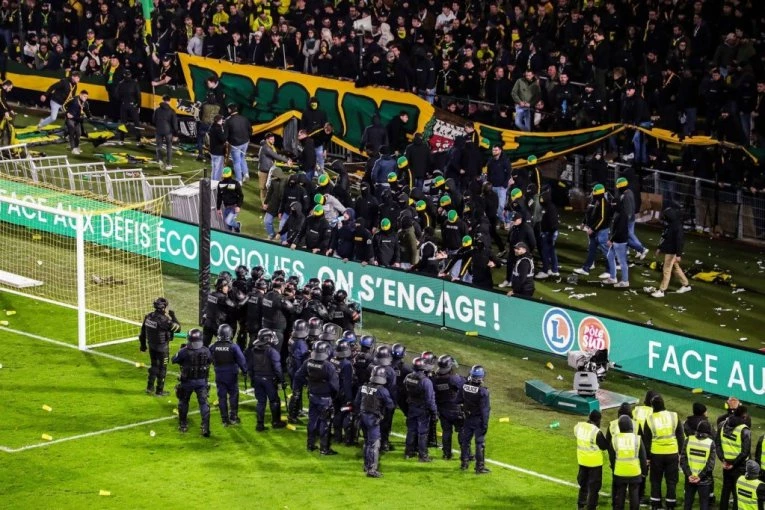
582 296
10 312
505 419
4 323
560 377
152 433
525 358
104 493
46 407
550 365
697 390
739 290
743 339
649 322
47 437
567 289
722 325
721 309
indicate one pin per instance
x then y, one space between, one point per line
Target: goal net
85 270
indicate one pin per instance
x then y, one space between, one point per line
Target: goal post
90 269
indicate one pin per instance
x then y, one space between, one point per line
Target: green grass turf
709 311
90 393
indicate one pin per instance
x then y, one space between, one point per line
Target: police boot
374 474
234 419
183 426
325 447
655 505
311 445
276 416
432 437
464 465
226 421
206 429
260 427
385 446
480 467
161 388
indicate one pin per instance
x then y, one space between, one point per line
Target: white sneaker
684 289
657 293
642 255
504 284
168 167
592 266
540 275
610 281
554 275
581 271
603 276
622 285
76 150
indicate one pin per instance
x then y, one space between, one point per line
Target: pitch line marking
166 418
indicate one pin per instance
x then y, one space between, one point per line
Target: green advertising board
642 351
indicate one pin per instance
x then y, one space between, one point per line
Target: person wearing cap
76 113
597 219
517 203
663 437
460 264
291 228
671 245
522 278
387 251
629 464
618 235
697 461
128 94
419 159
520 232
166 128
750 490
316 233
383 167
626 199
691 423
452 231
396 129
307 158
229 200
734 442
590 443
312 121
167 74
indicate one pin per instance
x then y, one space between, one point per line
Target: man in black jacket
129 96
313 120
520 232
671 245
307 159
77 111
60 93
217 147
418 155
316 232
522 278
238 130
635 111
166 125
397 132
229 200
617 239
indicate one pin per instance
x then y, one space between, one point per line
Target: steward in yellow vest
734 443
697 460
663 436
750 491
613 427
629 464
590 443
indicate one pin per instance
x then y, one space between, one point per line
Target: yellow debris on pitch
291 426
504 420
47 437
10 312
104 493
46 407
550 365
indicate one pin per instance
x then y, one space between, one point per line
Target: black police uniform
194 360
216 313
157 329
323 384
474 399
228 360
446 387
373 401
274 310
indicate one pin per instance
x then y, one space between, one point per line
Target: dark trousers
730 477
623 487
370 424
265 393
473 428
417 423
590 481
73 130
129 117
493 221
664 467
319 420
208 333
184 391
227 386
704 491
202 130
167 140
157 369
451 422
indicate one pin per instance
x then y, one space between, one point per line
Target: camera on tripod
591 368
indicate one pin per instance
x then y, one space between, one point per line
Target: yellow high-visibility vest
746 492
698 451
640 414
731 442
663 425
587 452
627 448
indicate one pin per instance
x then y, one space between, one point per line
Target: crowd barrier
643 351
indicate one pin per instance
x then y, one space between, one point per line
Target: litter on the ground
525 358
721 309
743 339
739 290
550 365
582 296
560 377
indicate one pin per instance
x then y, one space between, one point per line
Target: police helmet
225 333
265 336
398 351
349 336
314 326
314 282
379 376
261 284
225 275
383 355
340 296
418 364
257 272
194 336
430 360
160 304
477 373
342 349
279 273
220 284
316 293
320 351
332 329
367 342
328 337
241 272
445 364
300 329
277 283
328 286
294 280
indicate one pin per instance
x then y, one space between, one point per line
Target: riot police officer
253 309
343 401
430 367
447 384
422 405
372 401
157 329
265 369
315 327
340 313
384 358
216 310
327 291
275 311
298 353
228 360
401 369
474 398
239 294
323 384
194 359
314 307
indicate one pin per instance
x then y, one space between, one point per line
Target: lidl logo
593 335
558 330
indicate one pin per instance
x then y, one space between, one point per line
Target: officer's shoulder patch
469 388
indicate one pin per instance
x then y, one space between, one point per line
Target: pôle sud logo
593 335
